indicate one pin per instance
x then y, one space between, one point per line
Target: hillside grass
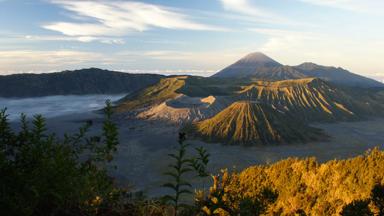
306 186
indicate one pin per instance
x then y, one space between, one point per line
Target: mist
53 106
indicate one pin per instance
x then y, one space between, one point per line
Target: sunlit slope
311 99
251 123
307 185
180 99
164 90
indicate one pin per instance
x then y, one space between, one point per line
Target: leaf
169 198
173 156
185 170
176 167
184 183
171 174
185 191
170 185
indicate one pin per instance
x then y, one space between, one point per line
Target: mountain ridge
76 82
336 75
260 66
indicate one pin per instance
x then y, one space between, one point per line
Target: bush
42 174
304 186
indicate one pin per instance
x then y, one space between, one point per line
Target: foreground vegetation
42 174
306 187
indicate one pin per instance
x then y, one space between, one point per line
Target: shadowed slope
337 75
250 123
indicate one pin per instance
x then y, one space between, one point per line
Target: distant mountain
78 82
251 112
253 123
336 75
258 66
278 112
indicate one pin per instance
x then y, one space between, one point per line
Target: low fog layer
53 106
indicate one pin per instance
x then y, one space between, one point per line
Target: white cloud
32 60
118 18
282 32
195 72
159 61
243 6
85 39
375 6
280 40
257 13
294 47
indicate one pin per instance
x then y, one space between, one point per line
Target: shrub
42 174
304 185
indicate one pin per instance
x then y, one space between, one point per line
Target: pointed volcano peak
259 66
258 58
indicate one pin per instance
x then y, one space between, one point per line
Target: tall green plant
184 164
178 170
200 163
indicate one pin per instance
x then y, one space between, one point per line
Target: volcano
259 66
252 123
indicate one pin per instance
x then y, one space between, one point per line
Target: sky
182 36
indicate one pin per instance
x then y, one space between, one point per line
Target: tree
42 174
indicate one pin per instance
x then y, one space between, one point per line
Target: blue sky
183 36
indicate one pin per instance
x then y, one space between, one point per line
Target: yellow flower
214 200
206 210
96 201
221 212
